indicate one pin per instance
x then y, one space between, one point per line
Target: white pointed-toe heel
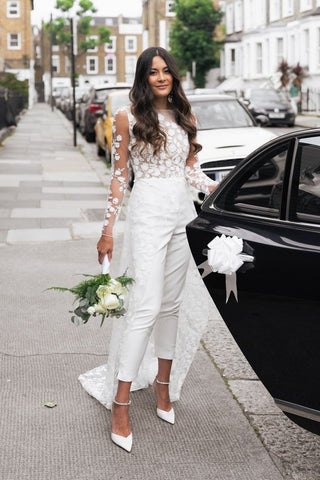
166 416
123 442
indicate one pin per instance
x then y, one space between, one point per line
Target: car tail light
94 108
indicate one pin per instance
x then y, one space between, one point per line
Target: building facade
157 17
16 50
260 34
111 62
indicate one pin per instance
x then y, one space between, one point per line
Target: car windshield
220 114
267 95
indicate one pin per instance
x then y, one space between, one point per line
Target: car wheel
90 137
100 151
107 152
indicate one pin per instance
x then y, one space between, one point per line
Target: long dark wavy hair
147 128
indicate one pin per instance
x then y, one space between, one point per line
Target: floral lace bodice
175 160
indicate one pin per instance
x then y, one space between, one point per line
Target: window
14 41
170 5
95 38
130 64
238 16
112 45
307 202
130 44
229 19
287 8
233 61
13 9
55 48
305 5
306 47
318 47
110 64
92 65
67 64
259 58
56 63
258 190
280 54
274 10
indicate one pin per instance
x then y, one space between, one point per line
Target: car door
272 202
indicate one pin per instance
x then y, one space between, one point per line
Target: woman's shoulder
124 114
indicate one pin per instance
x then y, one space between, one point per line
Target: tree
61 25
192 38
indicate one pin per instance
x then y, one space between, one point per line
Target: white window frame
112 45
95 60
128 39
305 5
113 59
55 48
92 50
130 64
13 9
306 46
14 44
287 8
170 4
56 63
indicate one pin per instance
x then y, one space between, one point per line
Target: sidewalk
307 121
52 202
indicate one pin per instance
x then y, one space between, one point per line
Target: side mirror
262 120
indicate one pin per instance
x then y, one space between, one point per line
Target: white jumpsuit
160 206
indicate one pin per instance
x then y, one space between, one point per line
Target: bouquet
98 295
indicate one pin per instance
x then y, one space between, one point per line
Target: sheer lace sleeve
196 177
120 169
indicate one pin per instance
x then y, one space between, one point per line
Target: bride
156 340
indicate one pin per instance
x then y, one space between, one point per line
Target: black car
271 103
271 203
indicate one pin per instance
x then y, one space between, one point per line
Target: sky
112 8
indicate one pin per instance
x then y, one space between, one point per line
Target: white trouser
158 213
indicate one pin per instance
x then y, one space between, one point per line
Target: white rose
115 286
103 290
91 310
110 302
100 308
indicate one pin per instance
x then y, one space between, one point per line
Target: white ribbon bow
225 256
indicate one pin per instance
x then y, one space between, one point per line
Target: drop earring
170 97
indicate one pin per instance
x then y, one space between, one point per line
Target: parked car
271 202
227 133
275 105
103 127
91 108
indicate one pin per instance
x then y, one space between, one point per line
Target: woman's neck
161 104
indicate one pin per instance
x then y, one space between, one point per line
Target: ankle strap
122 404
162 383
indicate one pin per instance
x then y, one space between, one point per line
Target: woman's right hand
105 247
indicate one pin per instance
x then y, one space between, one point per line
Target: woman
156 137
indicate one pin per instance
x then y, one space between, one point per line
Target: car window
308 165
258 189
215 114
118 101
267 95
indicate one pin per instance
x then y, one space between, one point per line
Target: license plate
277 115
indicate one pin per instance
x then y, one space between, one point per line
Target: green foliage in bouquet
98 295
